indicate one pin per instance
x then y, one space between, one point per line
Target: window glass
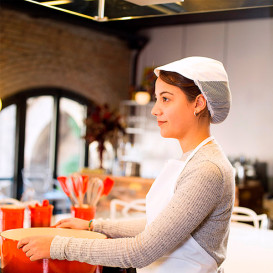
71 143
37 176
7 147
38 132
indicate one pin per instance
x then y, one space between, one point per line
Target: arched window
41 130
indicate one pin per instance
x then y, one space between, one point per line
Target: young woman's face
173 111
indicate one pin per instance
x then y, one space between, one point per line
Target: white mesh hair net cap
211 78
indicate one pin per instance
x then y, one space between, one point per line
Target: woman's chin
165 134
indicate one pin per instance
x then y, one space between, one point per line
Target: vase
101 149
85 213
101 158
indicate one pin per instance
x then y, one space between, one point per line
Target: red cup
11 217
40 216
85 213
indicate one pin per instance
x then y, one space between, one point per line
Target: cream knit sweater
201 206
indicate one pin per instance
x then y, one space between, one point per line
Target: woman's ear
200 103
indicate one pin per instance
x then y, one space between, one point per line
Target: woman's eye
165 99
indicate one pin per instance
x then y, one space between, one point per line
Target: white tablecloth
249 250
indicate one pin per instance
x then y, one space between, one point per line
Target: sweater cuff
97 226
57 247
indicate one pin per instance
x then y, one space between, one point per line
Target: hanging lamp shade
142 97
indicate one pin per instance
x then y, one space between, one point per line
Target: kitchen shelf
138 117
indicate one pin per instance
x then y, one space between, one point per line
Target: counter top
126 188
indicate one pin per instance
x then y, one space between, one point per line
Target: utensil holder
40 216
85 213
11 216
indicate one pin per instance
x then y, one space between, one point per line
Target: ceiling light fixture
56 3
179 3
101 16
150 2
61 9
160 6
126 18
162 9
142 97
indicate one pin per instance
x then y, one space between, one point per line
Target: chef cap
211 78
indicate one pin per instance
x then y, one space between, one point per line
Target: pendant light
142 97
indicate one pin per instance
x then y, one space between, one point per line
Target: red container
41 215
15 260
11 217
85 213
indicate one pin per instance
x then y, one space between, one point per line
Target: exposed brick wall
39 53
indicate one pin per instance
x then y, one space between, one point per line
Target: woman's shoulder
209 167
211 158
213 153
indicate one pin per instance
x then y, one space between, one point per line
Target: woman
189 205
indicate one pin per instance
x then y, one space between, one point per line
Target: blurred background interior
62 59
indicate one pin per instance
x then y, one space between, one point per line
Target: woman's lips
161 122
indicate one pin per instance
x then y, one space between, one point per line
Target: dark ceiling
87 13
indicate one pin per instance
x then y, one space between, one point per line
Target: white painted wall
246 49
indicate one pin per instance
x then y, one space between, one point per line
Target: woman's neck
193 138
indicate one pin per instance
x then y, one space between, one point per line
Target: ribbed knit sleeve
201 204
120 228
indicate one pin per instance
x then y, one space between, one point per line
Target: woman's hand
74 223
37 247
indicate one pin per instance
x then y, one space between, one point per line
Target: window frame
20 100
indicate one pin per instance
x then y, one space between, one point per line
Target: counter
126 188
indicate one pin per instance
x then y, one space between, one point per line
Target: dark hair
187 86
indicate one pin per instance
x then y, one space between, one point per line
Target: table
249 250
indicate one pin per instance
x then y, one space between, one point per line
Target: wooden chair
242 214
135 208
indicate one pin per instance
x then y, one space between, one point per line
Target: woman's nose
155 110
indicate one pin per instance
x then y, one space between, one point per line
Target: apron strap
204 142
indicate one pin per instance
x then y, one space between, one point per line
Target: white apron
189 256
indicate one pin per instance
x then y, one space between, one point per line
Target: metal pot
132 168
15 260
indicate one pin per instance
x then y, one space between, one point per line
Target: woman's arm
111 228
120 228
192 202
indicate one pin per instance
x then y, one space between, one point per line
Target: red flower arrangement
103 124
